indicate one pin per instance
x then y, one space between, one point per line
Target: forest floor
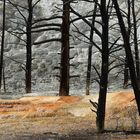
54 117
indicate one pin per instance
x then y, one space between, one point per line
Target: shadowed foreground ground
44 117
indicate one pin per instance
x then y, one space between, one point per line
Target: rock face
46 56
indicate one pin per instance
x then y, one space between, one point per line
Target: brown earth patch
64 115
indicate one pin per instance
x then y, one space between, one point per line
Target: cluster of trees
100 24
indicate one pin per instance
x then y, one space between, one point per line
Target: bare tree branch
16 6
36 3
46 41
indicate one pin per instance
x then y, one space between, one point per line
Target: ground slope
66 116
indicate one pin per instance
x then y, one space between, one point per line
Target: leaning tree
128 53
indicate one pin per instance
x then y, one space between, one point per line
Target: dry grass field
68 116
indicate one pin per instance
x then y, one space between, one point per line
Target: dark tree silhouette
137 61
2 44
105 9
65 65
104 68
29 46
126 69
28 21
88 78
128 53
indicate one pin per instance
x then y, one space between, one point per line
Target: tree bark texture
88 82
137 61
104 69
65 64
2 44
29 47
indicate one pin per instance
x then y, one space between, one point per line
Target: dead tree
137 61
33 26
29 47
65 65
126 69
2 44
104 68
104 8
28 42
128 53
88 78
65 48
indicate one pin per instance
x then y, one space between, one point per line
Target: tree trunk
2 44
65 65
128 55
104 69
29 48
3 76
126 73
136 41
90 53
